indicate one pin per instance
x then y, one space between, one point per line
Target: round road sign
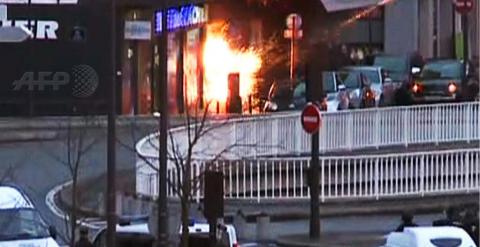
294 21
311 118
463 6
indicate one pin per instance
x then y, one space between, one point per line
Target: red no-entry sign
463 6
311 118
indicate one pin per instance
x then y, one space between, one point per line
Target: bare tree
76 144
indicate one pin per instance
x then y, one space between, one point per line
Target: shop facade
64 69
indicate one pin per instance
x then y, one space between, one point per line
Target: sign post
311 122
293 32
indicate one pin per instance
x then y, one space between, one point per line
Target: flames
219 60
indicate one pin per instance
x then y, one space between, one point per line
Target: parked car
354 76
285 97
439 81
280 97
226 234
445 236
398 73
20 222
136 233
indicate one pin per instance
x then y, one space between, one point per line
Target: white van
20 222
444 236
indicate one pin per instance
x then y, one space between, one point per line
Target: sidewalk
332 240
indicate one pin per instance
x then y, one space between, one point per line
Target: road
381 224
36 170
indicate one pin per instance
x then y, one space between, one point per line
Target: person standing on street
451 219
407 221
83 240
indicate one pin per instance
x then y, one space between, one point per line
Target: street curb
345 240
51 202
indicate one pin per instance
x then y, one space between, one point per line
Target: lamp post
111 133
162 236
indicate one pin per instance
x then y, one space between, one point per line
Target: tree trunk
73 217
185 215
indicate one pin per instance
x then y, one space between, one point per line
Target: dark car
285 97
280 97
439 81
398 73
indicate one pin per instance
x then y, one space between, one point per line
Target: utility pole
111 133
162 150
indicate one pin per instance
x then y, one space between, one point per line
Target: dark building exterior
64 67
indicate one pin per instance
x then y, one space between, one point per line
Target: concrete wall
401 27
425 28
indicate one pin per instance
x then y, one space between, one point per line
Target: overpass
264 157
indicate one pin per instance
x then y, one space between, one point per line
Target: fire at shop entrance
215 74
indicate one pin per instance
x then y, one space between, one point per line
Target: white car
444 236
225 233
140 234
20 222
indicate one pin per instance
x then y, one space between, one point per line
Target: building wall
445 29
401 27
425 27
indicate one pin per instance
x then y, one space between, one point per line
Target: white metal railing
282 134
372 176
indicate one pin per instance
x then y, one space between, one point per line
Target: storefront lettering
180 18
42 29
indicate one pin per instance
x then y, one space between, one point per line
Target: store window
137 71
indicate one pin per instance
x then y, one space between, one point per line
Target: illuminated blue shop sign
185 16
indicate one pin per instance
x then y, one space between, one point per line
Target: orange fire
219 60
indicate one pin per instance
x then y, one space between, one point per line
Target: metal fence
370 176
274 135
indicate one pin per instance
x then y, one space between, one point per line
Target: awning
338 5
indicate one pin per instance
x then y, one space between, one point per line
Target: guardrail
273 135
282 134
370 176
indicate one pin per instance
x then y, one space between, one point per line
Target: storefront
139 59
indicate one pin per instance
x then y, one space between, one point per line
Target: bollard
250 107
263 225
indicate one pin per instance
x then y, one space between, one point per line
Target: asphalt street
34 167
382 224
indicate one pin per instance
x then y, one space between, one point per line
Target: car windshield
280 91
442 70
396 67
299 90
391 64
21 224
351 78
